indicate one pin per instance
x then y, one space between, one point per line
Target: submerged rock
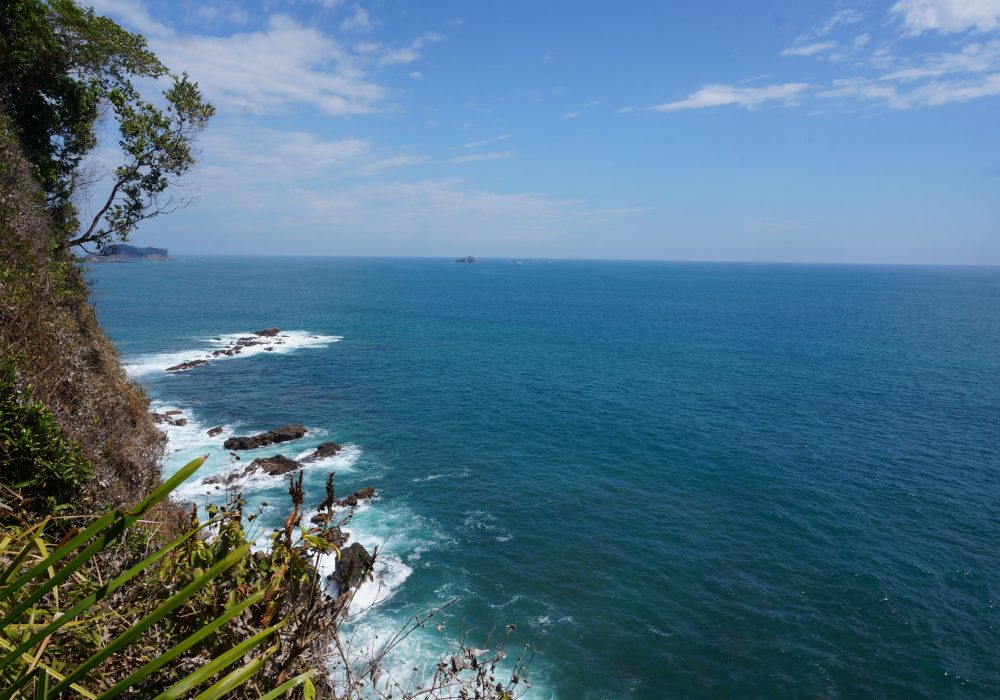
186 365
275 466
323 450
358 496
292 431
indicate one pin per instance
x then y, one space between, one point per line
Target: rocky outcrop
186 365
212 432
273 466
468 259
354 567
358 496
323 450
267 332
292 431
172 417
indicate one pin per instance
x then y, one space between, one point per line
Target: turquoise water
679 480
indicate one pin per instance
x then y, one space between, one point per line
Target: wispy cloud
358 21
947 16
485 142
577 113
385 55
723 95
475 157
973 58
548 57
810 49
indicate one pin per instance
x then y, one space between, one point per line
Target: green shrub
35 458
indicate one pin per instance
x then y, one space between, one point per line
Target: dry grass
50 332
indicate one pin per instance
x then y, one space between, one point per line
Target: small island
468 259
127 253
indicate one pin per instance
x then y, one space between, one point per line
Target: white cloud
475 157
274 154
947 16
945 92
133 14
382 165
390 56
417 75
722 95
570 115
930 94
477 144
973 58
809 49
843 17
358 21
269 70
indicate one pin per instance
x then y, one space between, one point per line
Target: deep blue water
679 480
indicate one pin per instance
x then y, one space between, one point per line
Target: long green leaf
113 520
161 611
196 678
38 570
15 563
181 647
112 532
100 594
234 679
286 686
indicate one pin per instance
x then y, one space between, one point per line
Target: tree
61 68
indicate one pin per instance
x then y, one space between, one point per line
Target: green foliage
35 458
42 613
59 63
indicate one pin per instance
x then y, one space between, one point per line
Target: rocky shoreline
355 563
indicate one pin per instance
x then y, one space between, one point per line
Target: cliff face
50 339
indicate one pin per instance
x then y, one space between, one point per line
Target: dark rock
275 466
468 259
241 443
267 332
366 492
180 421
292 431
353 567
325 449
186 365
356 497
212 432
173 412
159 417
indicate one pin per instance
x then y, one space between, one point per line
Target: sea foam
283 343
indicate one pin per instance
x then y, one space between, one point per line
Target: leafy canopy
62 67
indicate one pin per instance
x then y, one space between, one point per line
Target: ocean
682 480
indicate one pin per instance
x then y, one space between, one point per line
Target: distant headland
468 259
128 253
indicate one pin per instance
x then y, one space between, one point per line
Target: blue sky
855 131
